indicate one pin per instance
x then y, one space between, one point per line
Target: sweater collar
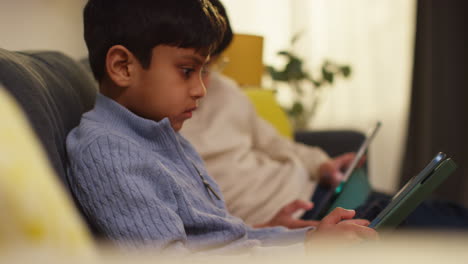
118 118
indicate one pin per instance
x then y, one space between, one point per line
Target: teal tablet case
420 192
354 192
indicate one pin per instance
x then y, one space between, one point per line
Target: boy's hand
338 227
330 172
285 216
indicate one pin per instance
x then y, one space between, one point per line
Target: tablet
354 193
414 192
325 198
362 149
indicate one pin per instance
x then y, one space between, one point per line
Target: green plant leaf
276 75
346 71
297 109
286 53
294 69
317 84
296 37
327 75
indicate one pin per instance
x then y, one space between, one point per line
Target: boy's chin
177 126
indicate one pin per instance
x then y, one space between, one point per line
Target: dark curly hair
140 25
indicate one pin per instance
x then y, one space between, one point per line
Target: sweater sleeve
110 180
279 236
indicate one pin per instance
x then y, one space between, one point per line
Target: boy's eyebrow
197 59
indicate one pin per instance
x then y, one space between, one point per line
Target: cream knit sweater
258 170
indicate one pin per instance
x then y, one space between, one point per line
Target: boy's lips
188 113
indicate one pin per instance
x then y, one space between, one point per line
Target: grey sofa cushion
54 91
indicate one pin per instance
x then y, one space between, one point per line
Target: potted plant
306 90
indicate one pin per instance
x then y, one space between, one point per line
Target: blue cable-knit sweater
137 181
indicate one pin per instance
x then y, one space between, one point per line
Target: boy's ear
120 65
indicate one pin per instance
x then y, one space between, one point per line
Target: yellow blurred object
267 107
245 60
35 210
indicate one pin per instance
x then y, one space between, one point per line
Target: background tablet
325 198
354 193
362 149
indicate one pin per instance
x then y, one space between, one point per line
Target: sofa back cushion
54 91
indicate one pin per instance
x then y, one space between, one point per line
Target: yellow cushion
35 210
244 55
267 107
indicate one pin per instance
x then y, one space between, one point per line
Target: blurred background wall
42 24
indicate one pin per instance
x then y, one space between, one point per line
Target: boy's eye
187 72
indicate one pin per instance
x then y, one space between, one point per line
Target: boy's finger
367 233
361 222
337 215
303 223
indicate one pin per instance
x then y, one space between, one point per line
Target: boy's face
170 87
